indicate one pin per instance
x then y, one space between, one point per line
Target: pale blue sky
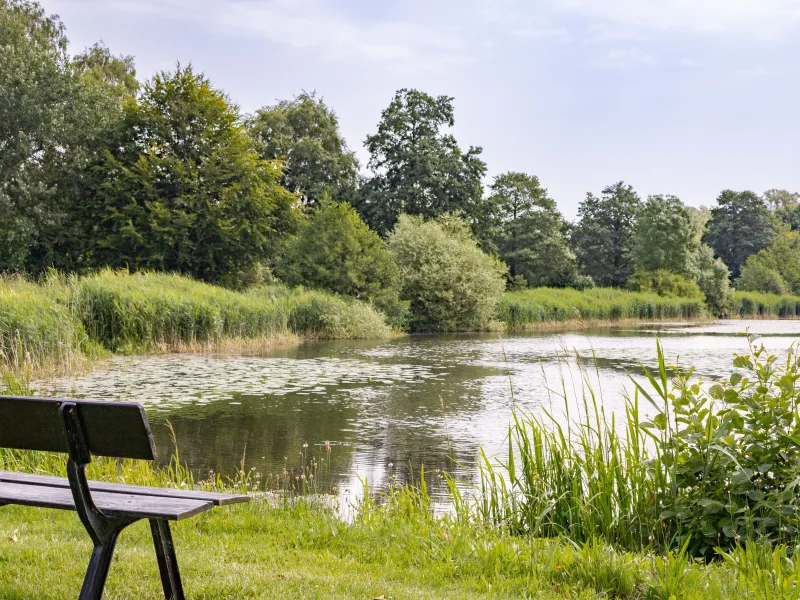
683 97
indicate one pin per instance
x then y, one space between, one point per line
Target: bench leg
97 573
167 562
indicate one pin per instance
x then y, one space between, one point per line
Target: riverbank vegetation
102 170
583 508
60 322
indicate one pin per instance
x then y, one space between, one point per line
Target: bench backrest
118 429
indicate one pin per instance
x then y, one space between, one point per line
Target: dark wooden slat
115 505
121 488
116 429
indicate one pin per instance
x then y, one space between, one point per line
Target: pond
389 407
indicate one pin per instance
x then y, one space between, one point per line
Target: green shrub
336 251
526 308
757 275
665 284
713 279
775 270
320 314
451 284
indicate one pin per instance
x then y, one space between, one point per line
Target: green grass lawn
256 551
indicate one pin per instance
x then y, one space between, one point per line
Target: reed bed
759 305
541 306
37 328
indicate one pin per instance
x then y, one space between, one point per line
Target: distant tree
775 269
303 134
664 237
741 224
418 169
180 187
336 251
528 233
785 205
451 284
603 237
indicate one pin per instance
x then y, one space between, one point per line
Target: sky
683 97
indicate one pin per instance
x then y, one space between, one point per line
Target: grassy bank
538 307
58 323
580 511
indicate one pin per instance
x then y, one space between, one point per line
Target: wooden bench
81 429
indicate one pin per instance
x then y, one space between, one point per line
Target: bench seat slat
121 488
112 504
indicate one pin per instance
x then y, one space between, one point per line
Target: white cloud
624 58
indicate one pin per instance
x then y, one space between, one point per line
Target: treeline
99 169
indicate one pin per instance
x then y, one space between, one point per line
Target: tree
336 251
180 187
664 238
603 237
785 205
775 269
416 168
303 134
451 284
36 92
741 224
528 233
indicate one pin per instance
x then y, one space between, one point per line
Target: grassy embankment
60 323
579 512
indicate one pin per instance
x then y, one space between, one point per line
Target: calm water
390 406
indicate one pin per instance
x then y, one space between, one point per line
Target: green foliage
336 251
532 308
717 465
713 279
303 134
741 224
774 270
154 311
180 188
664 283
664 236
451 284
603 237
527 232
416 168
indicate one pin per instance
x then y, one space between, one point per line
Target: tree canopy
417 168
603 237
180 187
304 135
665 236
740 225
528 233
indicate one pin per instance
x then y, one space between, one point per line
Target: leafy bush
336 251
450 283
665 284
713 279
716 466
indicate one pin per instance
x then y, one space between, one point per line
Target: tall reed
760 305
529 308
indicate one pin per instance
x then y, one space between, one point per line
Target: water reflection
408 402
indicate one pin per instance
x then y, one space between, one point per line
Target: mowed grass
540 306
395 551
